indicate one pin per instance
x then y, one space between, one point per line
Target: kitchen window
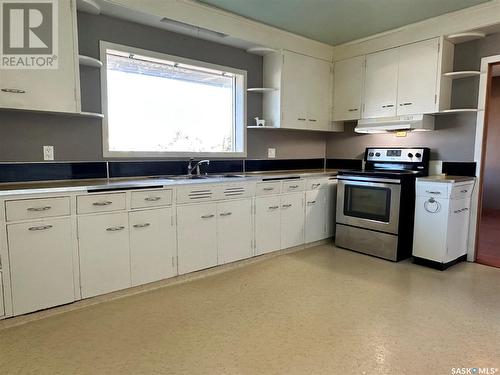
157 105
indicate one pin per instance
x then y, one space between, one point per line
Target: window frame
239 106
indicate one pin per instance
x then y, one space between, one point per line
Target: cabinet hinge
435 98
173 262
439 46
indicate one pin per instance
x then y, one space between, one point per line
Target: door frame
481 124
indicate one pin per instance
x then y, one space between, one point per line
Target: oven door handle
370 179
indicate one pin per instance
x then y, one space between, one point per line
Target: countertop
446 179
47 187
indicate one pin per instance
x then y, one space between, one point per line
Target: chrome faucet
192 167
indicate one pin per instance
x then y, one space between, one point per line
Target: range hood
393 124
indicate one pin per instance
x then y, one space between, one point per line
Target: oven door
369 204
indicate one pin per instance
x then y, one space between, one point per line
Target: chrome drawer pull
14 91
207 216
287 205
274 207
388 106
39 209
314 186
433 192
312 120
464 191
42 227
100 204
226 214
293 186
268 189
311 202
145 225
352 109
152 199
115 229
301 119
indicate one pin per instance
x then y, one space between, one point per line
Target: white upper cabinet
348 88
303 96
55 90
381 84
417 78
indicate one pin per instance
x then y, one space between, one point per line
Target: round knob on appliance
371 154
418 155
377 154
410 155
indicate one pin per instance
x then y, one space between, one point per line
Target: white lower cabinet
234 230
315 220
104 253
196 237
152 245
41 264
267 224
292 220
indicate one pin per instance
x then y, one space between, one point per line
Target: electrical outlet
48 152
271 153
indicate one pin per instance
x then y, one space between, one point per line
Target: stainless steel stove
375 205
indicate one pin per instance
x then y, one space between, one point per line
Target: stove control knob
418 155
371 154
410 155
377 154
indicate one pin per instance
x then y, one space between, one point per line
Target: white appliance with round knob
442 212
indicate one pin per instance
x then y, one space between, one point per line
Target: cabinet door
315 220
381 84
267 222
417 77
152 245
47 89
348 88
234 230
41 264
458 229
319 94
196 237
104 253
293 90
292 220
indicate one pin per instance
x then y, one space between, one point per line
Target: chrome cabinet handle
404 104
301 119
314 186
293 186
115 229
268 188
464 191
106 203
312 120
152 199
388 106
311 202
41 227
39 209
207 216
145 225
14 91
226 214
274 207
286 206
353 109
433 192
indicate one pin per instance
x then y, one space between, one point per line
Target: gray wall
454 137
22 134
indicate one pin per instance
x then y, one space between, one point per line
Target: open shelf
462 74
261 89
261 50
455 111
465 37
89 61
88 6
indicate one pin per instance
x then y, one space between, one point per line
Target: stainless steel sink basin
198 177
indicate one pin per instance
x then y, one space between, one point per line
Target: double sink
198 177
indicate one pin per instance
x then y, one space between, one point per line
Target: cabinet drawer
196 193
268 188
26 209
293 185
237 190
151 198
432 190
317 183
100 203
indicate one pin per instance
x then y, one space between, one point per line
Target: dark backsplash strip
455 168
344 163
253 165
174 167
19 172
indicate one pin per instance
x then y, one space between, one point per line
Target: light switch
271 153
48 152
